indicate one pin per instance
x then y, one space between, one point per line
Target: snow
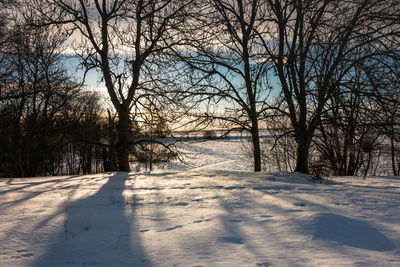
211 211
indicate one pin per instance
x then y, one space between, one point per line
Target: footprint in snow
200 221
262 264
234 187
197 187
171 228
230 239
25 255
341 203
180 204
293 210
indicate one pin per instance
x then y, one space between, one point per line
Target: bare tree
386 79
308 41
347 131
5 25
224 57
119 39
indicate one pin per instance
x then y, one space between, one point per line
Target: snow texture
212 212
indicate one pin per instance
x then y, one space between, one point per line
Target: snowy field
211 212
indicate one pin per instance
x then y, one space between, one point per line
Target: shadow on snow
349 232
98 231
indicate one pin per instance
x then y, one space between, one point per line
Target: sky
93 78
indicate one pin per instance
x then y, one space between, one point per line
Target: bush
209 134
159 153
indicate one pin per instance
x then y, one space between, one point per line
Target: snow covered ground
211 212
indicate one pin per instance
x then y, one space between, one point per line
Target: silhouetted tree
308 41
226 66
120 39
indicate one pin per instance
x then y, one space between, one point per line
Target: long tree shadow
98 231
33 186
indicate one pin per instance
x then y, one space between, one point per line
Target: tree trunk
303 148
123 140
392 153
255 137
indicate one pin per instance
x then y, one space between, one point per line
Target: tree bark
123 140
392 153
255 137
303 148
